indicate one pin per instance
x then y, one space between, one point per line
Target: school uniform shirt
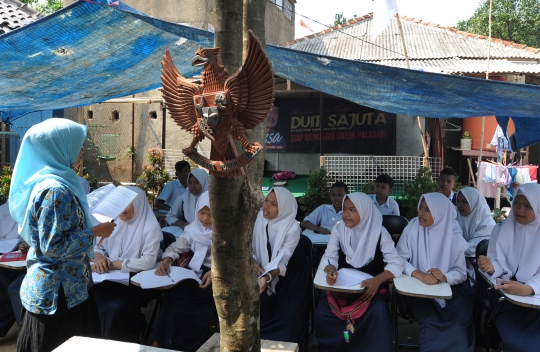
183 207
390 207
135 241
324 216
453 197
518 246
8 227
440 245
359 243
172 191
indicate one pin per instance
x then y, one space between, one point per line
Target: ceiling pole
422 136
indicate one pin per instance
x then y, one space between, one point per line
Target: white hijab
359 243
282 225
129 238
479 222
199 236
518 246
189 201
436 245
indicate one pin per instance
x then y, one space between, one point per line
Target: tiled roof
430 47
15 14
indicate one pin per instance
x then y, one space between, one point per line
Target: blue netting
88 53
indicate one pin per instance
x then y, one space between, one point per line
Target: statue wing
252 87
178 95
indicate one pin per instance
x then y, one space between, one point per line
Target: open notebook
148 278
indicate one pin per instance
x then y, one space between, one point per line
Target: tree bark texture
234 203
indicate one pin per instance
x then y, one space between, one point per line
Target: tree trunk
234 202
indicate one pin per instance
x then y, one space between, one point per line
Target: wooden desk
87 344
320 283
16 265
410 286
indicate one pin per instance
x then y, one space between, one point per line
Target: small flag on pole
303 24
382 14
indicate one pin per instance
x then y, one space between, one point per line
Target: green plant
154 176
318 190
368 188
422 183
5 183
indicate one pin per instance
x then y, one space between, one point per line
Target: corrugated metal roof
428 45
15 14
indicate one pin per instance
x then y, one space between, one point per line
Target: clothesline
493 175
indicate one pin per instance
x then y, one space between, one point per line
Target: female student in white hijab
132 247
433 250
187 308
285 290
360 242
515 263
182 212
475 220
10 280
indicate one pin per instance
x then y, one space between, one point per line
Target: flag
303 24
382 14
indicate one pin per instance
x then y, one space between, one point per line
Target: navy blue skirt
373 330
446 329
184 319
10 299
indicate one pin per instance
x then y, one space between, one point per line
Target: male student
174 188
447 182
383 187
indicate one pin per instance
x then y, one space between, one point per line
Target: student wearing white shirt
175 188
358 242
132 247
187 308
285 291
515 261
10 280
447 182
381 199
324 217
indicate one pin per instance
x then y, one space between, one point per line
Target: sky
444 12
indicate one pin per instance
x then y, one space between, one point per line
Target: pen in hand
170 278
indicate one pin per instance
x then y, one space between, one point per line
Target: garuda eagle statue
221 108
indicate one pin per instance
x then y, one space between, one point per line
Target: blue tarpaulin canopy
87 53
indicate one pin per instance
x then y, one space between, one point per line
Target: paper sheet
148 278
114 204
7 246
350 277
112 275
272 265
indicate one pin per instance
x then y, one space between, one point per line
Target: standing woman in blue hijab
48 203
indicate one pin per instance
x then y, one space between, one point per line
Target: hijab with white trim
189 200
479 223
199 236
47 151
131 237
284 223
359 243
518 246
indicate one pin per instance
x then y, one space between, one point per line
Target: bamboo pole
422 135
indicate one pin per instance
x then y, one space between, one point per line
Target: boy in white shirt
383 187
174 188
324 217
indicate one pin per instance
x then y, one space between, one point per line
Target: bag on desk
13 257
184 259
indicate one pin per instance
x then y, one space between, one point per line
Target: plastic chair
394 224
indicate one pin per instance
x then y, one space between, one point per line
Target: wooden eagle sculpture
221 108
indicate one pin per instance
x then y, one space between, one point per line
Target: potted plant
466 141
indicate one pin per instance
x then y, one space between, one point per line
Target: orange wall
474 126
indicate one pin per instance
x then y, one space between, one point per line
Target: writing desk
524 301
320 283
15 265
316 238
410 286
87 344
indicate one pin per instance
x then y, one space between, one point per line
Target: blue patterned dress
55 290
